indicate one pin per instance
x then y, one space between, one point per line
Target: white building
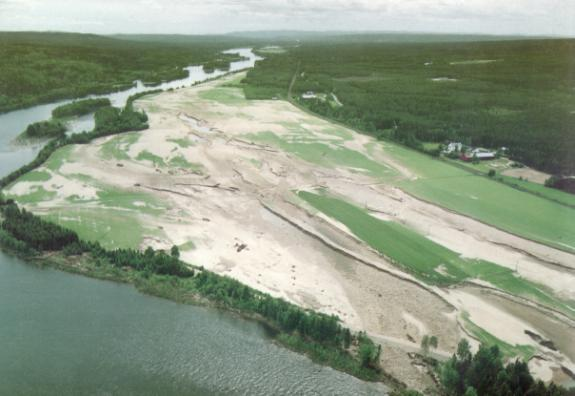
453 146
481 153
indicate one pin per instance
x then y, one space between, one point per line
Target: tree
425 344
428 342
175 252
491 173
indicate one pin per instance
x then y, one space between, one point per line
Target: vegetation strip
425 259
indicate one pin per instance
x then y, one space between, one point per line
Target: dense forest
42 67
514 94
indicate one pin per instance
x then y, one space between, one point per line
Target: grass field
487 200
314 149
112 228
425 259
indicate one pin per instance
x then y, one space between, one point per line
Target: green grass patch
538 189
138 201
526 352
112 228
182 142
181 162
59 157
157 161
224 95
189 245
118 146
36 194
326 154
35 176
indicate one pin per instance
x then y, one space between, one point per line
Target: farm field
216 174
486 200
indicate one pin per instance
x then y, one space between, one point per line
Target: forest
43 67
508 93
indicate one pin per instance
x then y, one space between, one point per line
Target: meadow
487 200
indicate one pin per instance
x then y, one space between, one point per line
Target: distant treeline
80 107
43 67
514 94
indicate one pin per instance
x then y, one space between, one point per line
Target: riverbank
185 290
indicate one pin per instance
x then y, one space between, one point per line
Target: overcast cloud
536 17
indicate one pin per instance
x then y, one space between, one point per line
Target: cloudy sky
536 17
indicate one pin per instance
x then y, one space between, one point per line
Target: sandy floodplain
216 174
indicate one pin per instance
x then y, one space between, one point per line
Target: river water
64 334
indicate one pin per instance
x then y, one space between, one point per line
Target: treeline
322 334
485 374
80 107
45 129
512 94
37 233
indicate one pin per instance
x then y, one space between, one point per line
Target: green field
425 259
312 148
487 200
112 228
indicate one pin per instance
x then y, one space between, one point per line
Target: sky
526 17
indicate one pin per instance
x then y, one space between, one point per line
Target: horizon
299 31
553 18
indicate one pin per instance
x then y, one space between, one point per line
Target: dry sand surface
529 174
237 206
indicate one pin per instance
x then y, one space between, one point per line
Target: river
64 334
